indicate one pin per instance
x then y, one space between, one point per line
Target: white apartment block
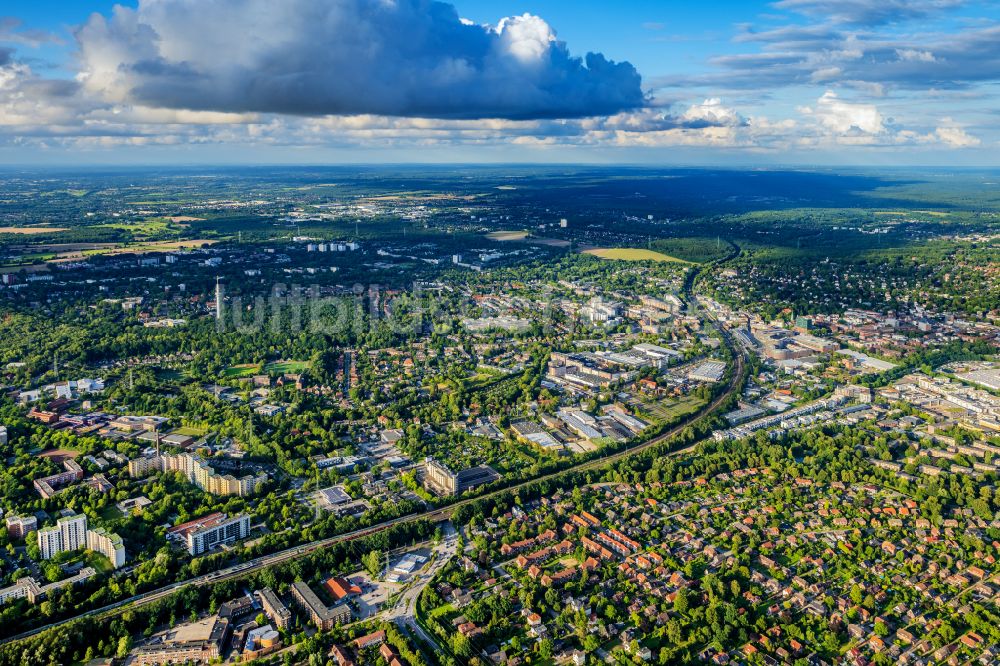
107 544
233 529
198 472
73 532
49 542
70 533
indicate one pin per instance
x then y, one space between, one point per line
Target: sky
778 82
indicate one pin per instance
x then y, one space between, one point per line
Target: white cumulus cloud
915 55
712 112
951 134
413 58
842 117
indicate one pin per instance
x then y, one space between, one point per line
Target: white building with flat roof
202 534
708 371
69 533
49 542
73 532
107 544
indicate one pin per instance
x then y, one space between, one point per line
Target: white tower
218 299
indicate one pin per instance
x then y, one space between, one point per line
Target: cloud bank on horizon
848 77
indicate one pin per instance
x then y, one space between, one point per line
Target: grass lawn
293 367
244 370
110 512
671 409
275 367
151 247
440 611
189 431
168 374
100 563
156 225
632 254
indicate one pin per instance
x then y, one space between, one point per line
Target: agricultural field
29 231
155 226
632 254
507 235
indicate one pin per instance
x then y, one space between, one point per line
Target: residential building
73 532
28 588
69 533
319 614
49 542
25 588
48 486
441 480
275 610
204 533
107 544
19 527
198 472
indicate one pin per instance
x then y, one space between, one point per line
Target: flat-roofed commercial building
197 643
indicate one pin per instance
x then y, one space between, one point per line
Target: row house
613 544
518 546
596 548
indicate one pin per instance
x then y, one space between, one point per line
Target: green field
100 563
671 409
189 431
698 250
632 254
274 367
292 367
243 370
169 375
148 227
110 512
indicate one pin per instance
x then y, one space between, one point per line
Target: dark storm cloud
412 58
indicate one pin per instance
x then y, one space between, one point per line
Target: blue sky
897 82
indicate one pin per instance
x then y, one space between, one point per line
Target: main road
434 515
